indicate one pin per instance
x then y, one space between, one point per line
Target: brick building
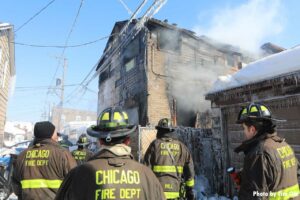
162 71
7 70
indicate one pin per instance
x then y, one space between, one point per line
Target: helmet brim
113 134
249 118
86 143
164 128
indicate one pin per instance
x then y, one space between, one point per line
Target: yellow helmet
112 123
256 112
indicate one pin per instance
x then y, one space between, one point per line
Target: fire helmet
83 140
111 123
255 112
165 124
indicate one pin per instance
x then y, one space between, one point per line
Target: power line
90 90
66 43
43 87
61 46
150 12
157 4
73 26
35 15
81 86
47 86
126 7
68 37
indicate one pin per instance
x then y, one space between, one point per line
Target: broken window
132 49
169 40
104 75
230 61
130 64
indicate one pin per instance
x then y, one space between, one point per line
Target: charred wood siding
276 87
165 67
286 108
280 94
206 152
125 85
158 54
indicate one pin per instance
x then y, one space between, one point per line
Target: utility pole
63 83
61 103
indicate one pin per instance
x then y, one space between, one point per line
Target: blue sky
274 21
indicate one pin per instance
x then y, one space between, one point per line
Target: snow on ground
12 197
203 189
271 66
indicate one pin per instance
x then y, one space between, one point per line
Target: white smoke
247 25
192 83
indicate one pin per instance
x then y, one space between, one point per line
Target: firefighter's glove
190 194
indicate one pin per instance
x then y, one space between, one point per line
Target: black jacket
40 170
157 157
110 176
269 170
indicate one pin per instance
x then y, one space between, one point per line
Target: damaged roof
155 23
270 67
272 48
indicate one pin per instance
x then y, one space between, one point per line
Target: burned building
273 81
270 48
162 71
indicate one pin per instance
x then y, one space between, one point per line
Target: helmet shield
112 119
112 123
255 111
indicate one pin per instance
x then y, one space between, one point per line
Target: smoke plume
247 25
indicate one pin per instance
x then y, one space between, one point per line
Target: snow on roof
4 24
266 68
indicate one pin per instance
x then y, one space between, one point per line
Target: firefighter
82 154
270 166
40 169
111 173
63 141
171 162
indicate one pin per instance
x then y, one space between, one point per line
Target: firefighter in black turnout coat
171 162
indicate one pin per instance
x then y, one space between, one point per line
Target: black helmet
112 123
255 111
165 124
83 140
